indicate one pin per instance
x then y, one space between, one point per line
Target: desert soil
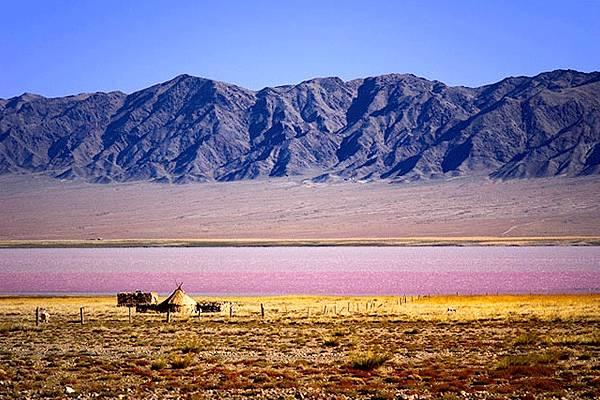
491 347
42 208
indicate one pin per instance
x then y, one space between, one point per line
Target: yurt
178 302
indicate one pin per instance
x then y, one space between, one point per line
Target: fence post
168 315
231 310
82 315
37 316
262 310
129 307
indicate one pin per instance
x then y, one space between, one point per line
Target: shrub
259 378
157 364
192 346
182 362
450 396
9 327
526 359
368 361
527 339
142 372
331 342
523 371
583 340
544 384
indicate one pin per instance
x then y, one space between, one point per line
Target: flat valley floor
37 207
485 347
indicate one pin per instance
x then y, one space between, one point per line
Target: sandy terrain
40 208
494 347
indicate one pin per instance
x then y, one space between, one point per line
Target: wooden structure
132 299
136 299
209 307
177 302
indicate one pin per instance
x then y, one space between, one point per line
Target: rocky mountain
396 127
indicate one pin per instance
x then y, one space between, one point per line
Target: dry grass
178 362
368 361
532 358
372 347
581 340
158 364
527 339
12 327
191 346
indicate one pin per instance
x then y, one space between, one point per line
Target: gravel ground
530 354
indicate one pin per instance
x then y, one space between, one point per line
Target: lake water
303 270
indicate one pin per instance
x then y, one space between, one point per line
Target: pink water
304 270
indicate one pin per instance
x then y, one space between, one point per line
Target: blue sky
65 47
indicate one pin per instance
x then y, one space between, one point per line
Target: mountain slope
397 127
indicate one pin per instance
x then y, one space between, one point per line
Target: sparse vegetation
191 346
527 339
496 347
331 342
11 327
178 362
368 361
582 340
158 364
527 359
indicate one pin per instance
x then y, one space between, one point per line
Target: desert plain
307 347
39 208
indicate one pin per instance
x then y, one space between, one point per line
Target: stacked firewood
209 307
131 299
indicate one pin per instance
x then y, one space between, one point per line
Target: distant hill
395 127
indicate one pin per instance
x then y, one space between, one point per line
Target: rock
69 390
397 127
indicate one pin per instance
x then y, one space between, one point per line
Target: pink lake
303 270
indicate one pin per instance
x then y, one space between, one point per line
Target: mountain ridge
398 127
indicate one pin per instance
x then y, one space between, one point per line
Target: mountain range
397 127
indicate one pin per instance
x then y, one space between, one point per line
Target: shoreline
327 242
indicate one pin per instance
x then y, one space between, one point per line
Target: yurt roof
179 298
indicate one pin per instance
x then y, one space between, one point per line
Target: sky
60 47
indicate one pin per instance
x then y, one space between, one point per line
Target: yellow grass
413 308
306 346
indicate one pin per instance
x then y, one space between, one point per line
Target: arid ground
492 347
41 208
